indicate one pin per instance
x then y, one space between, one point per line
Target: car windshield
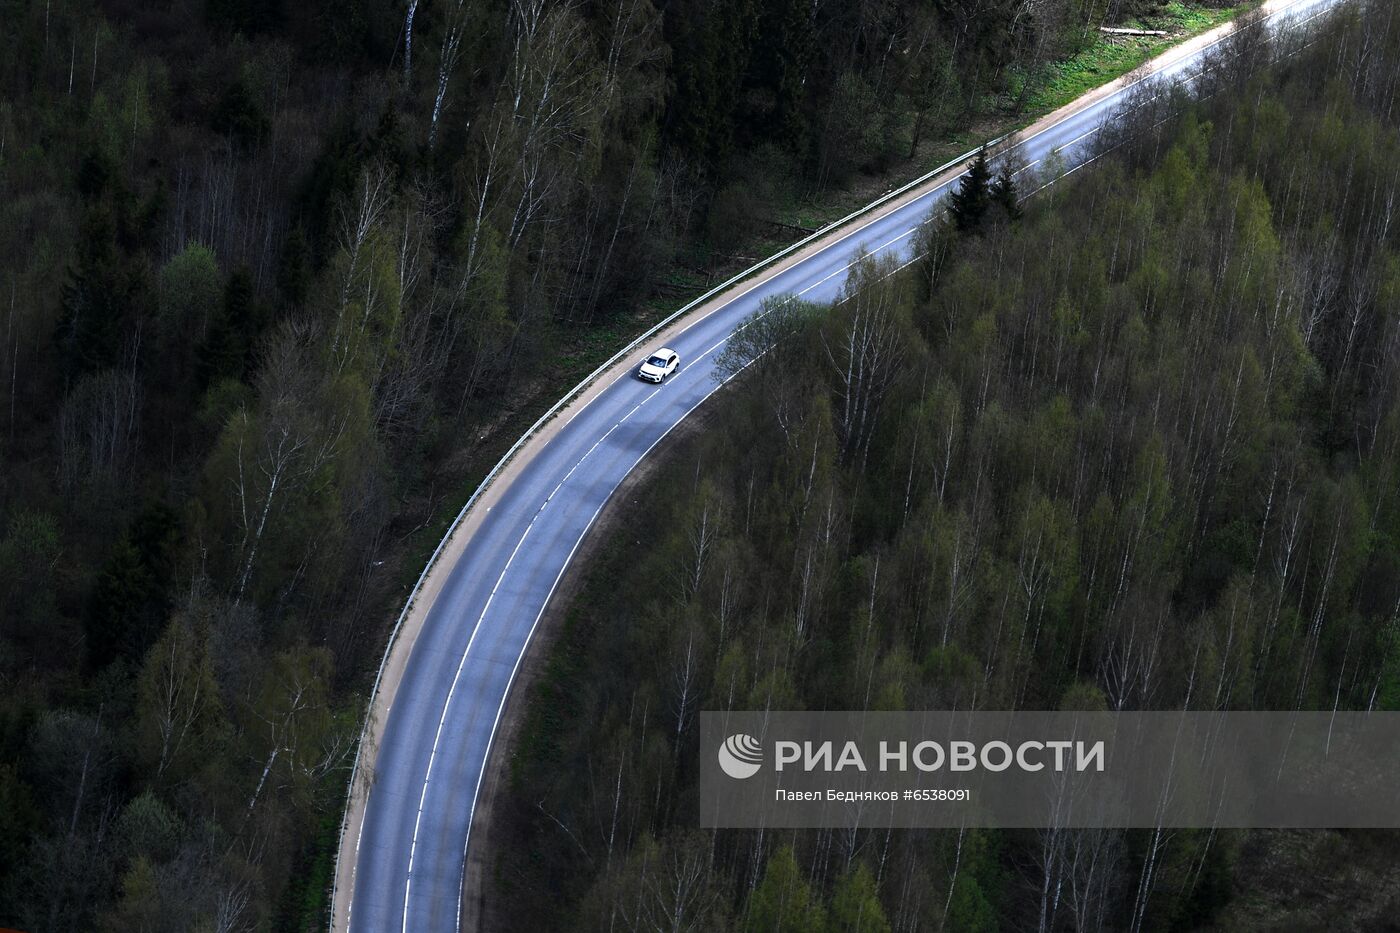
659 361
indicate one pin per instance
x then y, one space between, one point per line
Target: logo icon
741 756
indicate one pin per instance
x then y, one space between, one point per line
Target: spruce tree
968 204
1003 192
227 352
294 268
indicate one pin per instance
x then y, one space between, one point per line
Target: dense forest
266 273
1133 444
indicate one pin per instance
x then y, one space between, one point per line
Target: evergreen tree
96 300
968 204
855 906
783 901
244 16
118 601
228 352
131 599
711 44
1004 194
239 117
1388 682
968 907
294 267
94 173
782 62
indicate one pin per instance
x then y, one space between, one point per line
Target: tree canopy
1138 451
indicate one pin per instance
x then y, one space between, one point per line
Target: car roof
663 351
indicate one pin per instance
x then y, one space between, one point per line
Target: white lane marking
749 320
1164 121
461 665
932 193
495 723
1163 76
593 518
848 265
437 736
578 409
1167 82
563 568
756 284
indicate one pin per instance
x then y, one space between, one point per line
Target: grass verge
585 348
1112 57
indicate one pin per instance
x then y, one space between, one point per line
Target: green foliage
294 268
239 117
247 16
132 592
101 297
784 59
1084 697
292 697
855 906
139 905
1088 414
19 817
783 902
851 139
150 829
228 351
189 289
710 48
731 216
968 204
1105 470
969 909
1212 890
1388 681
29 552
122 593
1004 194
327 181
180 716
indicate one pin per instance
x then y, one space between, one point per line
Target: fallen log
793 227
1117 31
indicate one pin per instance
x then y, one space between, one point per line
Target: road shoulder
402 643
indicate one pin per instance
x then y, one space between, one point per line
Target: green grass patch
1105 59
582 349
306 903
1110 57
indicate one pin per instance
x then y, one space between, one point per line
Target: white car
659 365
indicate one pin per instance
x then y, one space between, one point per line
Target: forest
1132 444
267 270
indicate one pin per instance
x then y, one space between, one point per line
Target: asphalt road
411 851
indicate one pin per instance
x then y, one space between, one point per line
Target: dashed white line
592 519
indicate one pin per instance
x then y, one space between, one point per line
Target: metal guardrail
587 381
568 398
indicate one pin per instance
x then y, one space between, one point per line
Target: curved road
411 851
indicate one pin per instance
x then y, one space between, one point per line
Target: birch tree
865 351
181 714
